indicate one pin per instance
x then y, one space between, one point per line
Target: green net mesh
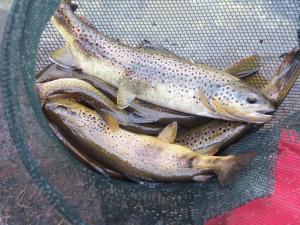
216 33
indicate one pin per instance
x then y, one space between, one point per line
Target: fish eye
251 100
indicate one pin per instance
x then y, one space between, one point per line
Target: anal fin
209 150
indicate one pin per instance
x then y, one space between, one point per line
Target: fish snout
255 114
38 88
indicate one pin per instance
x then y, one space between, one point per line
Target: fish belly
102 69
160 95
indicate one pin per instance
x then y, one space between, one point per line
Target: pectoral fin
63 58
168 134
110 120
219 109
125 95
245 67
204 101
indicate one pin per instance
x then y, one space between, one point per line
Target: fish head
62 109
238 101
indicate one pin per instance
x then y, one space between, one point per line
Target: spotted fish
158 77
85 92
144 112
139 157
214 135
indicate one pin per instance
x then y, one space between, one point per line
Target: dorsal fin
245 67
168 134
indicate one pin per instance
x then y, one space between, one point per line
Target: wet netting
217 33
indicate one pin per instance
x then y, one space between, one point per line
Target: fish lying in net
139 157
89 95
158 77
140 111
84 92
205 139
214 135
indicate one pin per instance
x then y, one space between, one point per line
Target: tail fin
285 76
231 166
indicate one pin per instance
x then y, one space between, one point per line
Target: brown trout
139 157
158 77
141 109
214 135
142 112
85 92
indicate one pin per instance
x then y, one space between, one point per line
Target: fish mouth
268 111
262 115
49 106
40 94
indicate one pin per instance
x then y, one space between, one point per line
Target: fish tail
285 76
231 165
